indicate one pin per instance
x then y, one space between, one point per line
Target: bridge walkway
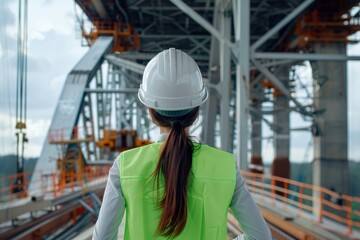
290 207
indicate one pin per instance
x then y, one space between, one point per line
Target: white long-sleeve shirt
242 207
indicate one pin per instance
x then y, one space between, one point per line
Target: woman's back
211 186
176 188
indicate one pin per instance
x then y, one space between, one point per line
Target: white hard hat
172 81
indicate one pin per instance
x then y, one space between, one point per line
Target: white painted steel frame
241 11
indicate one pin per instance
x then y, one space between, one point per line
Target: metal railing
314 203
308 201
49 184
68 134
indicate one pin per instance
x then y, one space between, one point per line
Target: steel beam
241 15
123 90
281 87
226 135
85 205
172 36
100 104
165 8
305 56
281 24
273 63
130 65
100 9
199 45
214 77
200 20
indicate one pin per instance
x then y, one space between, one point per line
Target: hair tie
176 124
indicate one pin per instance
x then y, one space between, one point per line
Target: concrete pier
281 163
331 144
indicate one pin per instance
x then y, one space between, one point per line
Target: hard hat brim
172 104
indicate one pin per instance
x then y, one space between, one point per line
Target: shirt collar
162 137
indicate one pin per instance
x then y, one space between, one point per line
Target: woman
176 188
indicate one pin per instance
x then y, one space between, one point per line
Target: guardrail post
42 187
72 176
300 198
320 205
273 189
262 186
24 185
62 182
251 180
53 177
286 184
349 215
11 187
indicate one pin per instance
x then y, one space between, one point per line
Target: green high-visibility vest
211 187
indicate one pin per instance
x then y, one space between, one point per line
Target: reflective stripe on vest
211 187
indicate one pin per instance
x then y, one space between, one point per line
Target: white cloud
43 17
7 130
36 132
53 51
7 125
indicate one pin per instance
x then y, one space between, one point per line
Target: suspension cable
21 92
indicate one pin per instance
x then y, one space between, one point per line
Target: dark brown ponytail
174 165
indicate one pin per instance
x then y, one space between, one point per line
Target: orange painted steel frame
110 137
125 37
328 21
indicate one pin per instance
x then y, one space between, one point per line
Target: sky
54 48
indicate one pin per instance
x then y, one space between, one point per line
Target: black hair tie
176 125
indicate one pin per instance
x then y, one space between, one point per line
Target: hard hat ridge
172 81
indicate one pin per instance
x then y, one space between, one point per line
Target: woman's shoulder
152 147
213 163
139 161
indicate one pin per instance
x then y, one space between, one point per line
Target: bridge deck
289 213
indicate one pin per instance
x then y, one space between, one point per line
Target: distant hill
8 165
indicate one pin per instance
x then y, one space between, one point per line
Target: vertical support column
126 102
281 163
225 72
330 166
100 103
109 97
211 107
87 117
100 107
242 32
256 163
118 103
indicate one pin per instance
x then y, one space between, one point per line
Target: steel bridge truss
110 99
